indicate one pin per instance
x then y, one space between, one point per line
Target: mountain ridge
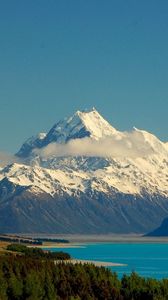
161 231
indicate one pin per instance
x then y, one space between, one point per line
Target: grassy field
3 246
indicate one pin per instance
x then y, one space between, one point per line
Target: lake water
148 260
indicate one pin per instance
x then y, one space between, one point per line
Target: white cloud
6 158
130 145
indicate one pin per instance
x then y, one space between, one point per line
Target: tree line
30 241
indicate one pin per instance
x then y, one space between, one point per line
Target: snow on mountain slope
43 179
80 125
80 174
154 143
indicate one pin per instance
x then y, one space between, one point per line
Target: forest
27 278
37 253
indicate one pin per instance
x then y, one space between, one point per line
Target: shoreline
57 245
94 262
80 240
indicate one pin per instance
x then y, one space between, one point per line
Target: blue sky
60 56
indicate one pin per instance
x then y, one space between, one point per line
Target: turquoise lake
148 260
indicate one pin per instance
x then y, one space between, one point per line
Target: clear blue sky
60 56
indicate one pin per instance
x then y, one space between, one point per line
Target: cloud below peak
125 146
6 158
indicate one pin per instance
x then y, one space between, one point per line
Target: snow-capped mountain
80 125
86 176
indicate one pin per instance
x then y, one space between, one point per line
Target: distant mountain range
84 176
161 231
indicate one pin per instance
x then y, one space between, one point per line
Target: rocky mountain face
84 176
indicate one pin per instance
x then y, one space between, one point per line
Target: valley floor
78 240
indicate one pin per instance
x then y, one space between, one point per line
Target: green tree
15 287
49 289
3 287
34 289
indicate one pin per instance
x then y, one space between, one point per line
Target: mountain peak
87 123
86 111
